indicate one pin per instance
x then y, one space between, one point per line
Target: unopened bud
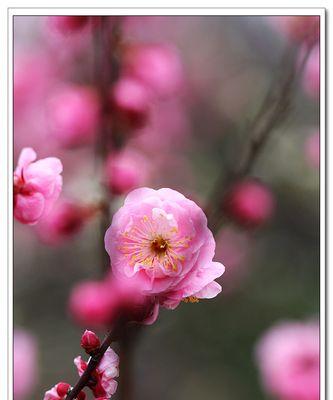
90 342
63 388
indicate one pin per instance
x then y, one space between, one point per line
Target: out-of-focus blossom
25 364
37 185
90 341
300 28
60 391
131 101
98 304
126 170
249 203
68 24
91 304
108 369
311 76
157 65
233 249
312 149
65 220
160 239
289 360
74 115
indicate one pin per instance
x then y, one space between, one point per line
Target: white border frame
6 294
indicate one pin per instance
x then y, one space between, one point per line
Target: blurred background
209 76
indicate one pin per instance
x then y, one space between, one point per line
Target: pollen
159 245
191 299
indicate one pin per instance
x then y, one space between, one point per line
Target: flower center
159 245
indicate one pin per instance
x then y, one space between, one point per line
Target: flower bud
63 388
67 24
249 203
90 342
131 101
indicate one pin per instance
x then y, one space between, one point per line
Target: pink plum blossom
126 170
25 364
131 102
104 375
59 392
312 149
65 220
160 239
37 185
311 75
68 24
74 115
289 360
156 65
249 203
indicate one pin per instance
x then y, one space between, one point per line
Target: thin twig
272 113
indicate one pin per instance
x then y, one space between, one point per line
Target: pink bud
90 341
63 388
74 115
131 101
67 24
126 170
312 149
249 203
64 221
156 65
311 76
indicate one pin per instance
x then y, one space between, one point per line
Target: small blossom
312 149
157 65
64 221
68 24
311 75
90 341
74 115
25 364
161 241
288 357
131 101
104 385
60 391
37 185
249 203
126 170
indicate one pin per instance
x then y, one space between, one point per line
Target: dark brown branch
272 113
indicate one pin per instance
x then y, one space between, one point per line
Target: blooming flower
249 203
161 239
37 185
25 364
59 392
74 115
126 170
288 359
105 385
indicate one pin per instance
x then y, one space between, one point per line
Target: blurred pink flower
59 392
74 115
249 203
98 304
25 364
104 375
64 221
68 24
157 65
126 170
312 149
131 101
37 186
299 27
160 239
311 76
289 360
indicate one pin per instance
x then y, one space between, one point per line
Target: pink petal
28 209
